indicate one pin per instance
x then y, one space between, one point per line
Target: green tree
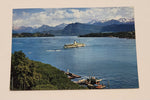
27 75
22 72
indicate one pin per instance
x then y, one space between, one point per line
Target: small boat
71 75
74 45
96 86
91 83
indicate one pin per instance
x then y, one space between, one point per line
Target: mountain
95 26
23 29
118 28
14 32
125 20
41 29
80 29
61 26
112 21
44 28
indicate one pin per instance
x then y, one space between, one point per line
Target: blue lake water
111 59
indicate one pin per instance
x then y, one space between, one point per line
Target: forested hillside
32 75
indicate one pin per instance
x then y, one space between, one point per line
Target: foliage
44 87
32 35
130 35
32 75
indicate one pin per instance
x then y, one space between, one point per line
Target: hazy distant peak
45 26
61 25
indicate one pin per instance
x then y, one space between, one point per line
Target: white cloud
54 17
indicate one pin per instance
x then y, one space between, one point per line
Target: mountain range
112 21
94 26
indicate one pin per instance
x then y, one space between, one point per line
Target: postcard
73 48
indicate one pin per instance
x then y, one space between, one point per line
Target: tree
22 72
27 75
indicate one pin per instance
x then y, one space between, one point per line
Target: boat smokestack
75 42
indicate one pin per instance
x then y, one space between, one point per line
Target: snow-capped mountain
125 20
112 21
94 26
96 21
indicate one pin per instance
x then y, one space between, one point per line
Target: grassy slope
53 78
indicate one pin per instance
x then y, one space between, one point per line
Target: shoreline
128 35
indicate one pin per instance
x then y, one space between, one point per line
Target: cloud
55 16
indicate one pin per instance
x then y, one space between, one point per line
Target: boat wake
56 50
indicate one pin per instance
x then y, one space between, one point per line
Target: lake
111 59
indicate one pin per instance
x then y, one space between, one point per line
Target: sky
36 17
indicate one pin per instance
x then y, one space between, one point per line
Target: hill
129 35
80 29
27 74
32 35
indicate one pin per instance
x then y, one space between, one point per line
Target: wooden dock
72 76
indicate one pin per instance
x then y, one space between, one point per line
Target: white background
142 20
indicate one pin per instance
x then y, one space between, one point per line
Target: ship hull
74 46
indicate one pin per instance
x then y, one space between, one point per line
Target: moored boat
91 83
